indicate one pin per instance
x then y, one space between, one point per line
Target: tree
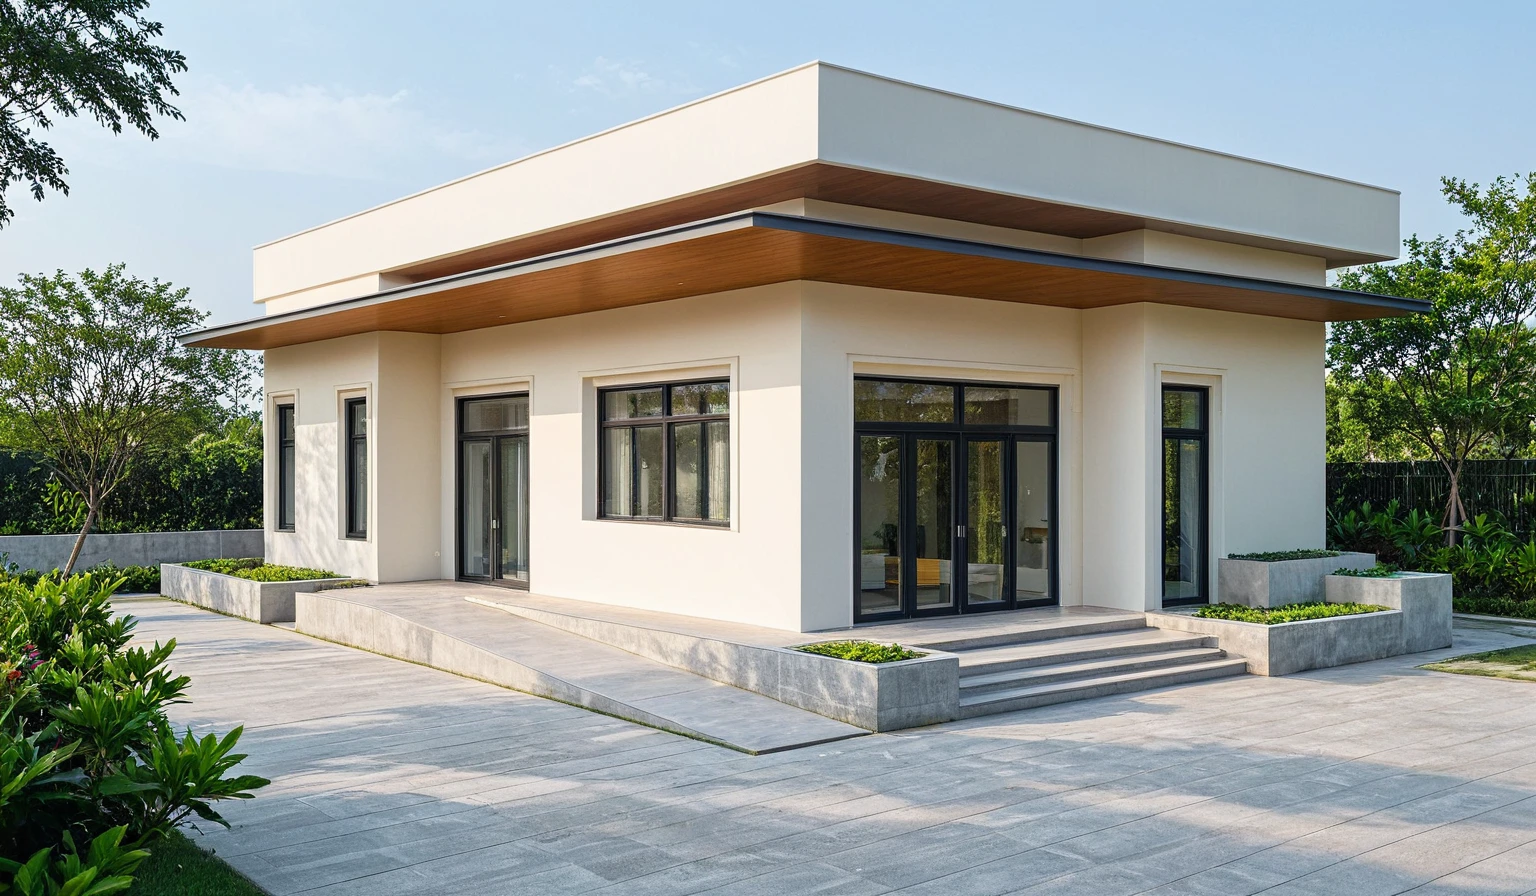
64 58
92 378
1460 380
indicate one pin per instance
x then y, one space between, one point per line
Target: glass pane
648 493
618 472
1007 407
1183 409
285 484
285 422
475 509
357 418
1183 519
897 402
879 524
513 512
935 517
1032 521
495 414
701 398
985 530
630 403
688 499
719 463
357 489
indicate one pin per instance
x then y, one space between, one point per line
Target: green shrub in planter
91 771
1279 556
258 570
861 651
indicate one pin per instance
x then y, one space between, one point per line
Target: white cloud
617 77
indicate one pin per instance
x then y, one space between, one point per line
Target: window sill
723 526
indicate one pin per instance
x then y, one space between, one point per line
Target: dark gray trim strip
814 227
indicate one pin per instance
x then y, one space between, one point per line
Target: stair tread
1166 659
1052 630
1101 640
1234 664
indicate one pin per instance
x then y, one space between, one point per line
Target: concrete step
1012 679
1023 633
1031 696
987 660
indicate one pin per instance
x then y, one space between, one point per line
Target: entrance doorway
493 490
955 497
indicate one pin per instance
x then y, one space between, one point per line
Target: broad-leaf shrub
87 754
259 570
1491 571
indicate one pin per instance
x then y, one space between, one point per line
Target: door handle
495 523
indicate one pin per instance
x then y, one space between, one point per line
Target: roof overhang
755 248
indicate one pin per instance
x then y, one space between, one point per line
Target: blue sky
299 112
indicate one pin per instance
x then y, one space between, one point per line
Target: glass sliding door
878 513
933 529
493 524
986 525
1186 540
1033 508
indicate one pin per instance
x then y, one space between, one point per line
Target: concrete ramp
432 624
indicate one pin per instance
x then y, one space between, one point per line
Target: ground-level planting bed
1490 605
248 587
178 867
862 651
1287 613
1512 662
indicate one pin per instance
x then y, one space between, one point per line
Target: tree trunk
90 521
1455 511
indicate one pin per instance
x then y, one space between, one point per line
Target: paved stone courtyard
392 778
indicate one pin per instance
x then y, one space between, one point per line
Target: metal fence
1503 488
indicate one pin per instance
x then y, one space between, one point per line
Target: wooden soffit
756 248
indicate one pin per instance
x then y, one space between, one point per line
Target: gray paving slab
391 778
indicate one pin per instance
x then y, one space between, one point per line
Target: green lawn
1512 662
178 867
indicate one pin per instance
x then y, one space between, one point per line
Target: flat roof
755 248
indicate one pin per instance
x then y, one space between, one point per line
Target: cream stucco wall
791 351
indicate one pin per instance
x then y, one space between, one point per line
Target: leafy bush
1278 556
91 771
861 651
1288 613
1379 571
134 579
256 569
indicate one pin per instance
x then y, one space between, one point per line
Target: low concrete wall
1424 598
1257 583
264 602
874 696
1289 647
45 552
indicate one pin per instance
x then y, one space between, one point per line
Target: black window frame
668 422
1202 435
287 457
355 529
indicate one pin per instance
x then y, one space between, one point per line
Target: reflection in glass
1183 523
985 526
648 472
285 472
1000 406
1032 521
513 512
718 439
495 414
879 524
1183 408
475 509
935 513
688 500
629 403
618 478
898 402
700 398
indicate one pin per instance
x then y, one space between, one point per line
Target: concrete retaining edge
1290 647
873 696
1273 583
45 552
264 602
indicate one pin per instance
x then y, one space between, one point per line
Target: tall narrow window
1186 539
357 467
665 453
285 481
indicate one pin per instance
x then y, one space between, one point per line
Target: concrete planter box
264 602
1289 647
1424 599
1257 583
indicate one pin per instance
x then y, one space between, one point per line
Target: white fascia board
879 124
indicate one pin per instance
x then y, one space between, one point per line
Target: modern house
823 349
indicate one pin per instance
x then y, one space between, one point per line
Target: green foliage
87 753
1279 556
178 867
68 58
258 570
131 579
1459 381
1288 613
861 651
1379 571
